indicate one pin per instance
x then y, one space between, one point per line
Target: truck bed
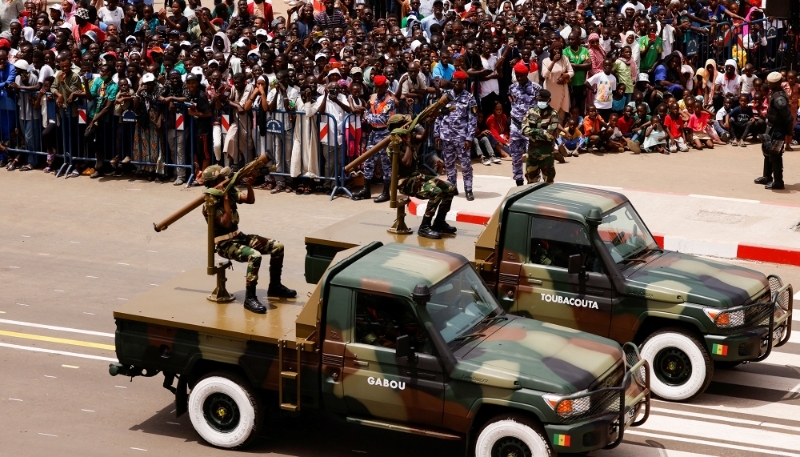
364 228
181 303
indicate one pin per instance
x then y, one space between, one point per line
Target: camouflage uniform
242 247
540 126
523 98
456 128
413 183
377 116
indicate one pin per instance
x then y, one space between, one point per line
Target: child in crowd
674 124
618 100
614 140
570 139
655 138
792 89
702 134
721 125
740 120
748 78
603 85
641 121
47 104
593 125
123 103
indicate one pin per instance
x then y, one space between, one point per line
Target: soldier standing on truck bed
232 244
413 183
540 126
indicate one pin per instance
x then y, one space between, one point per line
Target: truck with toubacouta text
583 258
392 336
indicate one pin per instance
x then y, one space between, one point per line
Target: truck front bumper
755 344
630 407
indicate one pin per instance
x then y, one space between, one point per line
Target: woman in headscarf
557 71
596 54
711 77
633 41
69 10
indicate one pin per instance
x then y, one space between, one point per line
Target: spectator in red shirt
82 25
260 8
674 124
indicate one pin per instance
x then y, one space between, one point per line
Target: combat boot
384 196
440 224
520 182
363 193
251 302
276 289
426 231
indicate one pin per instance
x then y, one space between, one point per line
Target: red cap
111 53
217 21
460 75
379 80
5 44
520 67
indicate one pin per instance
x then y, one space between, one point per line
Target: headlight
568 408
725 319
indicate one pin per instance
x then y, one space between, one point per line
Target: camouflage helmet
399 119
213 172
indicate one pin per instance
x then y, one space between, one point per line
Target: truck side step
288 375
404 428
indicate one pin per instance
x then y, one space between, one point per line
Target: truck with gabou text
393 336
583 258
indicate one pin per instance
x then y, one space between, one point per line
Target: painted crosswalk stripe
711 443
50 339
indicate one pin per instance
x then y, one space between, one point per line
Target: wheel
682 368
224 410
511 436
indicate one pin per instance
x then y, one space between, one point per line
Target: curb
756 252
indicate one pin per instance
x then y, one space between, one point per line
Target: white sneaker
486 161
496 159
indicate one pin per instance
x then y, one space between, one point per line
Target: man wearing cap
82 26
10 10
457 130
232 244
779 124
522 95
380 109
28 116
541 127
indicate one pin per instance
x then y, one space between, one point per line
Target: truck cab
395 337
583 258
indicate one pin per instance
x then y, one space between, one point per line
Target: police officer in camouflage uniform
457 131
522 95
380 108
232 244
540 126
413 183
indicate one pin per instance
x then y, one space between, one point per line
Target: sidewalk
723 227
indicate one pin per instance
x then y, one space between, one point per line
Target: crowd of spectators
661 76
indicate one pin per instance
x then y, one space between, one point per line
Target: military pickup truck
395 337
582 258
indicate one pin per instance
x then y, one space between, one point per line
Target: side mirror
403 348
575 265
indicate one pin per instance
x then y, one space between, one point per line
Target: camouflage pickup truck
395 337
582 258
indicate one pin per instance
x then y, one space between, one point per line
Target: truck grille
604 398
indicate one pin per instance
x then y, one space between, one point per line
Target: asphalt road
72 250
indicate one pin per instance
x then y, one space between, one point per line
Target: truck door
549 293
377 383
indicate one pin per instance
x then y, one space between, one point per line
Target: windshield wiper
468 336
489 319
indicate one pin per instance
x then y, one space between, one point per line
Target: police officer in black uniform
779 123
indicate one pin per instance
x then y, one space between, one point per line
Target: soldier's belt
227 237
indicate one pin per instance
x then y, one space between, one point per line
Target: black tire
519 430
225 410
681 366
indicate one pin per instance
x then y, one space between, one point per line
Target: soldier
413 183
540 126
457 131
523 97
235 245
381 108
779 119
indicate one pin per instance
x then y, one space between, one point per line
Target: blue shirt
523 98
442 72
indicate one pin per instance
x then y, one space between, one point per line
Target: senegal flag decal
719 349
561 440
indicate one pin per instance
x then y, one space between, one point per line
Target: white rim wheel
506 435
223 411
681 368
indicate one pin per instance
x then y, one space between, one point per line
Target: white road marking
2 312
710 443
120 298
713 197
48 376
797 296
71 366
88 410
93 277
14 399
54 327
120 387
756 380
21 304
14 267
58 290
48 434
91 314
75 242
151 250
51 351
26 236
122 263
717 417
42 253
154 285
138 448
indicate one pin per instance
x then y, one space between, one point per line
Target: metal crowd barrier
757 42
23 126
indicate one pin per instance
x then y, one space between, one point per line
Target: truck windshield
624 234
459 303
